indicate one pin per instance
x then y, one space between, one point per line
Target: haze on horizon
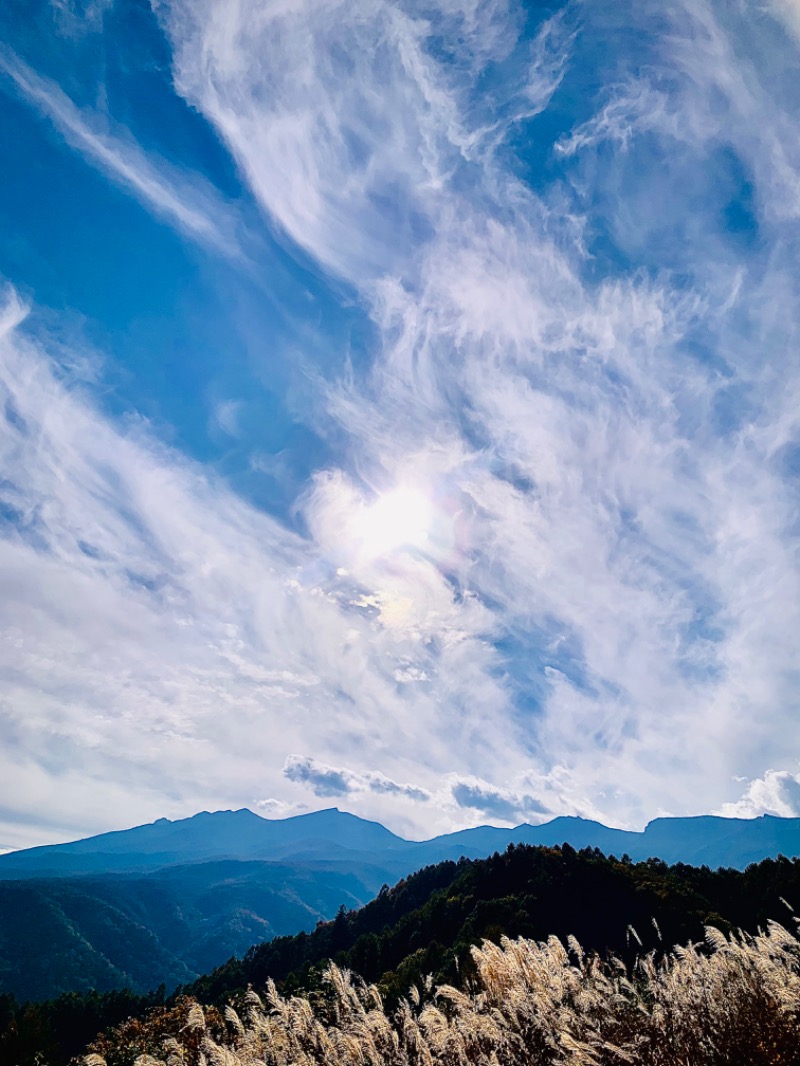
398 411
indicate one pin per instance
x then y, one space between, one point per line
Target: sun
400 518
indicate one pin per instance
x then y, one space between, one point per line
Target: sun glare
397 519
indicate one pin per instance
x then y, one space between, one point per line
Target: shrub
726 1002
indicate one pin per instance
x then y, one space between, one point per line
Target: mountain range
168 901
335 836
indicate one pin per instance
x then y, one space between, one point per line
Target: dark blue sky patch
14 418
734 406
737 194
787 462
90 550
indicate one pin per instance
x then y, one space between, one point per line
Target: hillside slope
74 934
426 925
164 902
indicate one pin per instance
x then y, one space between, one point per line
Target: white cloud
528 797
166 646
345 126
777 792
185 200
275 808
613 506
598 615
789 12
78 18
499 803
226 417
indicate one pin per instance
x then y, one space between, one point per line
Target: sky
399 411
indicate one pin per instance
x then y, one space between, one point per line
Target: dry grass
729 1001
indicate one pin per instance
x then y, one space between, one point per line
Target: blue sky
398 410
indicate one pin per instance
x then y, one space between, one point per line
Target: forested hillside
427 925
428 922
74 934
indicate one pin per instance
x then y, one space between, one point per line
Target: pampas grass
731 1001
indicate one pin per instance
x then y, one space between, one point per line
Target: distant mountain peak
331 834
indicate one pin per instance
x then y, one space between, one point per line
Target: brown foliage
727 1002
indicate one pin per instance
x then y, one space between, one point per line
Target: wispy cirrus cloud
77 18
354 176
157 632
604 442
575 243
789 13
187 201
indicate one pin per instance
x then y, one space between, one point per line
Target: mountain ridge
201 889
334 835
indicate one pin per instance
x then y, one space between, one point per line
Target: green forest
426 926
